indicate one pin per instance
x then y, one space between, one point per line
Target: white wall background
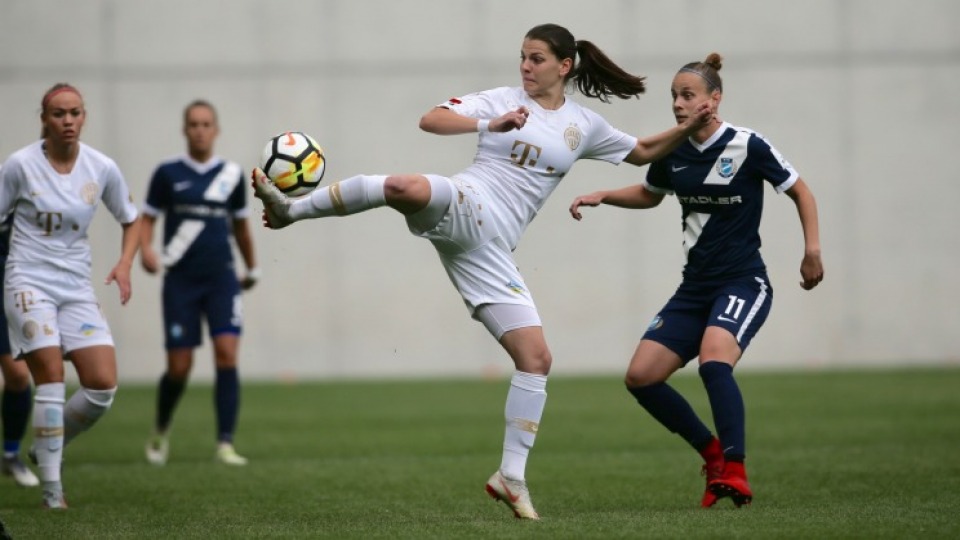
860 95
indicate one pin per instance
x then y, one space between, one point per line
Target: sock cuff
529 381
713 369
100 398
51 393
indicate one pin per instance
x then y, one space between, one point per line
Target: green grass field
867 454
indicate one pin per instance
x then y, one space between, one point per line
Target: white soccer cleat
276 205
514 493
158 450
22 475
228 456
53 497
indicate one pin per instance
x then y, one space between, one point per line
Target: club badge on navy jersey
572 136
726 167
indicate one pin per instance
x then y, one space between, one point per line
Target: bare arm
443 121
811 268
654 147
635 196
121 272
241 232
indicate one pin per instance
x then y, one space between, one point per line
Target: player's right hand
512 120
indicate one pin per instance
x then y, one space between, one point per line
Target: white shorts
64 315
474 254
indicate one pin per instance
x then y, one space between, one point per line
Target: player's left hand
121 274
811 270
250 279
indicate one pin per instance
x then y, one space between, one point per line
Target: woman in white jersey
530 136
53 186
719 177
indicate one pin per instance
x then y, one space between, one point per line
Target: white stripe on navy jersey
719 185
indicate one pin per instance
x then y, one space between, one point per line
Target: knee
538 363
16 380
638 378
406 188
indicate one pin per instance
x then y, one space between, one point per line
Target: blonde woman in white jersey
530 136
53 186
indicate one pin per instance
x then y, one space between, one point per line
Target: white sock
525 402
343 198
84 409
48 429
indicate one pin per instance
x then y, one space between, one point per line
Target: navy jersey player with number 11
718 177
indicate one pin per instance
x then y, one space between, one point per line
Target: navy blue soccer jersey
719 185
199 202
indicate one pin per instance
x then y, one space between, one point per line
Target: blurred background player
529 138
54 186
203 198
718 177
16 402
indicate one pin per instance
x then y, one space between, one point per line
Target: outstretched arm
811 268
654 147
635 196
443 121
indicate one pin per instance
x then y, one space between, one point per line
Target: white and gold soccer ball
294 161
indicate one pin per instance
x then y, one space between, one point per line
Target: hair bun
714 60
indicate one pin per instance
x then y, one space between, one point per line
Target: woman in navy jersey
718 177
203 200
529 138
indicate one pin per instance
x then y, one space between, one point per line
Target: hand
702 116
247 283
593 199
811 270
121 274
510 121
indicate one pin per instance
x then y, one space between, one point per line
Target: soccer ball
294 161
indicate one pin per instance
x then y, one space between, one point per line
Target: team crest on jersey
89 192
726 167
572 136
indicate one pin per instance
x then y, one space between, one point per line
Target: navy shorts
740 306
187 299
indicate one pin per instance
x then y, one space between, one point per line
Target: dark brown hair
595 75
708 70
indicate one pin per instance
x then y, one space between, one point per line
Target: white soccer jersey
53 211
518 170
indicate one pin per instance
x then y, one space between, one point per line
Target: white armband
483 126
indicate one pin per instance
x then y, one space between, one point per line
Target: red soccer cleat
712 470
732 483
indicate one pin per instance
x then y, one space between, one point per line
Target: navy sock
168 395
227 401
727 404
669 408
16 416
